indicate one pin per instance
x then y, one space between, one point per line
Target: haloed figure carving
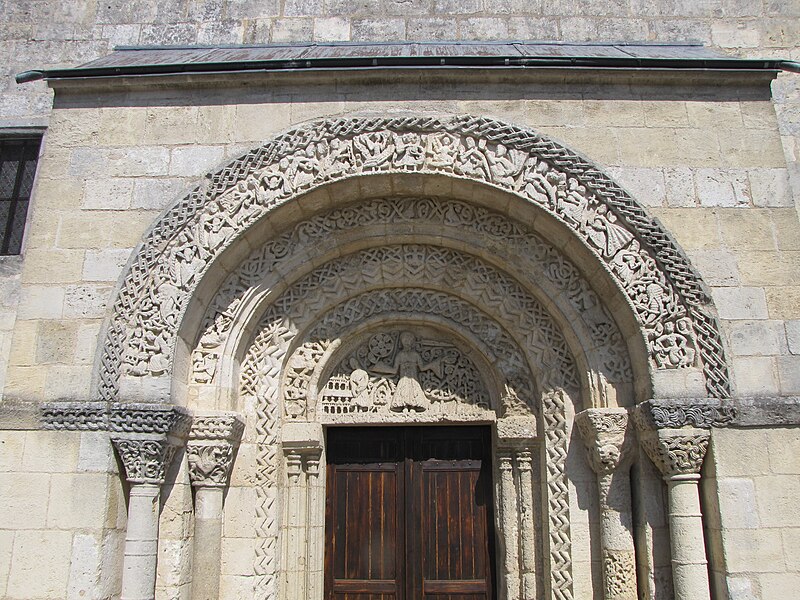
409 395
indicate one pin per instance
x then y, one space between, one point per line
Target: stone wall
48 34
754 478
63 515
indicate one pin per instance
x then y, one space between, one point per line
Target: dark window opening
18 158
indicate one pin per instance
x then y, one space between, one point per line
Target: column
516 443
210 450
146 458
527 536
679 454
304 511
604 433
508 517
316 526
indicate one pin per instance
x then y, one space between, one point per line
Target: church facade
408 319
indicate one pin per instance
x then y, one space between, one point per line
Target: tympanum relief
404 372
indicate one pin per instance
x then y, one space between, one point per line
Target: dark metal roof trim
128 61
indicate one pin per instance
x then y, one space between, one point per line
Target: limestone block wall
754 479
63 519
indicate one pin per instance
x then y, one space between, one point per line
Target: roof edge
344 63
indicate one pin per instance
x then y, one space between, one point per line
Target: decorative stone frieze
117 417
75 416
605 433
692 412
212 441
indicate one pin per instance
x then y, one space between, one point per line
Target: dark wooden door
409 514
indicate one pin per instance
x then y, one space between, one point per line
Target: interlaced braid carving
189 236
514 242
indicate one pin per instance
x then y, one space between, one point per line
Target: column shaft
207 543
689 565
316 529
508 514
141 542
527 535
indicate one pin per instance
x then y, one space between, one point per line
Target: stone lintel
300 436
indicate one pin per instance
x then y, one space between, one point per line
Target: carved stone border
118 418
544 261
154 294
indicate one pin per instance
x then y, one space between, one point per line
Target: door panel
409 514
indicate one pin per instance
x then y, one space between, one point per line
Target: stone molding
117 418
671 302
210 449
702 413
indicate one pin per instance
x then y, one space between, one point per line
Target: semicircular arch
191 236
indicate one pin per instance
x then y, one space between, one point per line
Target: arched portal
453 243
665 299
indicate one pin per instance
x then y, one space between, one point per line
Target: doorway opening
409 514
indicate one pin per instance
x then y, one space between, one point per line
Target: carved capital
674 413
605 433
676 452
146 457
212 440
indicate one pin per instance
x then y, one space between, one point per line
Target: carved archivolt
663 289
515 242
408 264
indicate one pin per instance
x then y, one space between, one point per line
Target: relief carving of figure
359 387
506 164
442 149
473 161
408 394
604 232
672 348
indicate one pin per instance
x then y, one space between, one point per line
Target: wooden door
409 514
